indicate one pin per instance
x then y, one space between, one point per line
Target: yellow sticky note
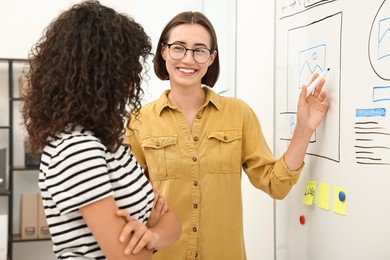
323 195
339 200
310 191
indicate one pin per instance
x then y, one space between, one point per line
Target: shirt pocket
162 157
224 151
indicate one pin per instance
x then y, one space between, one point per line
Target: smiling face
186 71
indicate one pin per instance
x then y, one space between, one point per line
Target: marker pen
314 84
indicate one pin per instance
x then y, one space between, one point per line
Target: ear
212 57
164 52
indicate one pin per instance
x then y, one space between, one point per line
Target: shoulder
234 108
147 114
149 107
234 101
223 102
77 142
151 113
234 104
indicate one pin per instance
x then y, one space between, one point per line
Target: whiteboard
350 150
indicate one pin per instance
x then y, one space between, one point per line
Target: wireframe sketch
379 42
372 133
372 137
311 60
306 56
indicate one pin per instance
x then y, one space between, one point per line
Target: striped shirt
77 170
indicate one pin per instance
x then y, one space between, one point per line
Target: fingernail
127 252
122 238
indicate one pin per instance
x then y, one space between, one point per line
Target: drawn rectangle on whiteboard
288 122
307 55
380 93
384 38
311 60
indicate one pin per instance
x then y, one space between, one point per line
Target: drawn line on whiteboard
372 147
374 133
368 163
369 122
360 152
359 127
369 158
283 8
288 113
321 156
363 140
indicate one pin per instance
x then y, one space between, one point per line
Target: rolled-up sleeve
265 172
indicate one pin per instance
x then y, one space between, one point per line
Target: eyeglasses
178 51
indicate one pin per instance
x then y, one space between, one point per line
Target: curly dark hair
86 70
211 76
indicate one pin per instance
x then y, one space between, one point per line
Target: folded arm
163 223
106 227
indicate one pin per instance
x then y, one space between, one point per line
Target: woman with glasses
194 144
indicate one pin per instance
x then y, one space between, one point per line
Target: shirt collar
211 98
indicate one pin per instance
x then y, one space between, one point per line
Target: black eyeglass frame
188 49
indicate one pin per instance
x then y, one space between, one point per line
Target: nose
189 57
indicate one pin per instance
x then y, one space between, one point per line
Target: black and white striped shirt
77 170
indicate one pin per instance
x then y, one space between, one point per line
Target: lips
187 70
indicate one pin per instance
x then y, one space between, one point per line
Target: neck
187 99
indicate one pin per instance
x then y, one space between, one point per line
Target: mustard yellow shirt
199 172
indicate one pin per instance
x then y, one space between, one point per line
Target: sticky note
323 195
339 202
310 191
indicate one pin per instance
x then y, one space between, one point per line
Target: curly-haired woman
84 79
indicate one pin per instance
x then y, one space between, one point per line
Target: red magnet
302 219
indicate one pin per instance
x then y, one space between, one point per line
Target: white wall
255 81
245 34
248 75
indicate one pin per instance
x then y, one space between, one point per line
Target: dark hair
210 78
85 70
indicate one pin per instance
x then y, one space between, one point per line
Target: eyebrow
195 45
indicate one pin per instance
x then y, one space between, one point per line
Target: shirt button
194 159
195 206
194 229
196 254
225 138
157 144
195 183
195 138
198 116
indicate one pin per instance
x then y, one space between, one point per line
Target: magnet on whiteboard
341 196
302 219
